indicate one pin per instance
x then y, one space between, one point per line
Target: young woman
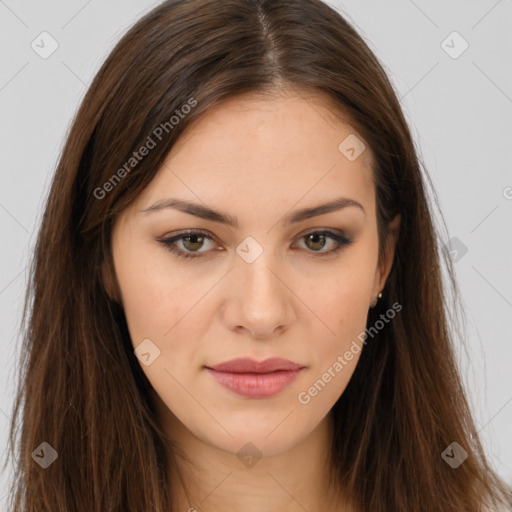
236 300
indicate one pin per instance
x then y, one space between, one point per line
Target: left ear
389 255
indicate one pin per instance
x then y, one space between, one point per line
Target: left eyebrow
204 212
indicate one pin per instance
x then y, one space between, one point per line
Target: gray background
459 110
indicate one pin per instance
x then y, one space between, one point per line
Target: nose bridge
258 280
260 295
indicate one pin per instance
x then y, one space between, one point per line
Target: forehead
268 151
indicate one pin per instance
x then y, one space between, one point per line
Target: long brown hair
81 388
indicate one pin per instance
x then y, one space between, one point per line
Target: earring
373 304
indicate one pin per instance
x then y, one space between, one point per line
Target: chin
259 433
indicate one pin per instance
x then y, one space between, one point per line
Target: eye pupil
194 239
316 236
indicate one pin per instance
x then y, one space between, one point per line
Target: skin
256 158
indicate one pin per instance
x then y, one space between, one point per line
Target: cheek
344 313
347 309
166 307
341 304
342 300
156 298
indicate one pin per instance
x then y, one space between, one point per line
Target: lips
247 365
255 379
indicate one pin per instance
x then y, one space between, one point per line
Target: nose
261 301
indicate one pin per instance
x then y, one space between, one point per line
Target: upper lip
248 365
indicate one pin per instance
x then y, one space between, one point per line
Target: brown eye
193 242
316 241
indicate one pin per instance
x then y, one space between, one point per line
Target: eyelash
169 243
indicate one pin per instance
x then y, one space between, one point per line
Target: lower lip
255 385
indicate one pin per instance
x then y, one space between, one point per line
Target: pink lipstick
255 379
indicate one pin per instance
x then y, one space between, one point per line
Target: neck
209 479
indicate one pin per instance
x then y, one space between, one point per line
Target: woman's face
263 278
